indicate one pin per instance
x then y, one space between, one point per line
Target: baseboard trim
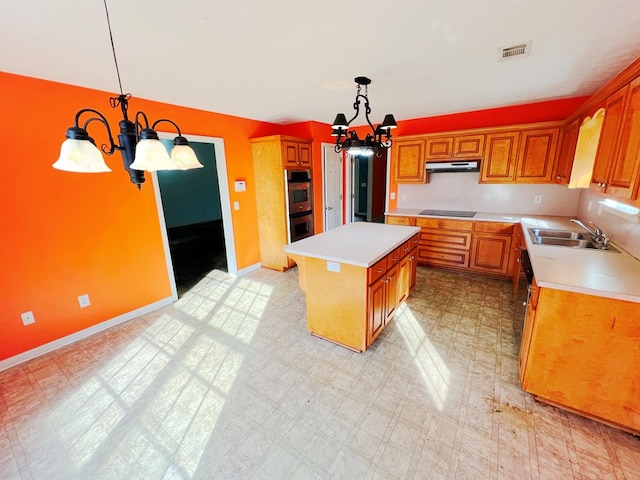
87 332
244 271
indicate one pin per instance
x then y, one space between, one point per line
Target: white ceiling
295 60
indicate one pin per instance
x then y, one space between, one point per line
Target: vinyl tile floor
228 383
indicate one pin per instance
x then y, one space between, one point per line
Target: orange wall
65 234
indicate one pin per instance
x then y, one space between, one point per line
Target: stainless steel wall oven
300 204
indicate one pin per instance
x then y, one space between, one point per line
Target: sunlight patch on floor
158 401
432 369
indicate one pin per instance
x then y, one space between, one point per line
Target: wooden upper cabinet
440 148
408 156
500 155
468 146
536 155
454 146
613 116
296 154
624 173
617 167
567 152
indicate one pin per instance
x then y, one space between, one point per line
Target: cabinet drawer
493 227
392 220
444 224
447 239
377 270
413 241
394 257
439 148
443 256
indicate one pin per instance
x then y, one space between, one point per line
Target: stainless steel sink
544 232
567 238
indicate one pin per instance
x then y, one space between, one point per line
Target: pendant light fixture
138 142
374 141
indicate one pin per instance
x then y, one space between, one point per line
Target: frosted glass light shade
151 156
80 156
185 158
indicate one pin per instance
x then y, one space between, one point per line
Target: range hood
456 166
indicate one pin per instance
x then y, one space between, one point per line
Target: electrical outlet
392 196
28 318
404 196
84 301
537 199
236 205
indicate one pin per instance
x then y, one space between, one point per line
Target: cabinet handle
380 270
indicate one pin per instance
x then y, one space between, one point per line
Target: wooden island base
347 303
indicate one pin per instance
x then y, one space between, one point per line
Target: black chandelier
349 140
139 143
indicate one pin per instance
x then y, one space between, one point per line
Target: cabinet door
440 148
290 153
623 174
613 116
468 146
404 280
413 263
304 154
499 161
376 311
409 161
490 253
391 297
567 152
536 155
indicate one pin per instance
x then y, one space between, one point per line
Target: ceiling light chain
139 144
349 140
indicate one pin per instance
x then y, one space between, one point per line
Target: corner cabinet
567 152
617 167
271 156
408 157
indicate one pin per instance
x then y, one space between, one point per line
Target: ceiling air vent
514 51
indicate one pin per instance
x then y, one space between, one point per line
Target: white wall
622 228
461 191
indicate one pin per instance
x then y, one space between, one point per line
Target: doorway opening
193 209
369 188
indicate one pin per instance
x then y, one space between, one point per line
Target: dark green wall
191 196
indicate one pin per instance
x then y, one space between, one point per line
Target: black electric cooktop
448 213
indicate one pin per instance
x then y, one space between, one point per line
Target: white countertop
358 243
588 271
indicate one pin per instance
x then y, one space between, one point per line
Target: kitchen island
355 277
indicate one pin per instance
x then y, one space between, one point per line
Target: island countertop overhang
359 243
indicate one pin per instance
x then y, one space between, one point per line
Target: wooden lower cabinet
376 316
387 292
490 253
581 352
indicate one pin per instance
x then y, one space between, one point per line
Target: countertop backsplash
622 228
461 191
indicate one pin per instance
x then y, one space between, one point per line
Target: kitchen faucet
597 233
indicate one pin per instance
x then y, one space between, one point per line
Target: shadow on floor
195 251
